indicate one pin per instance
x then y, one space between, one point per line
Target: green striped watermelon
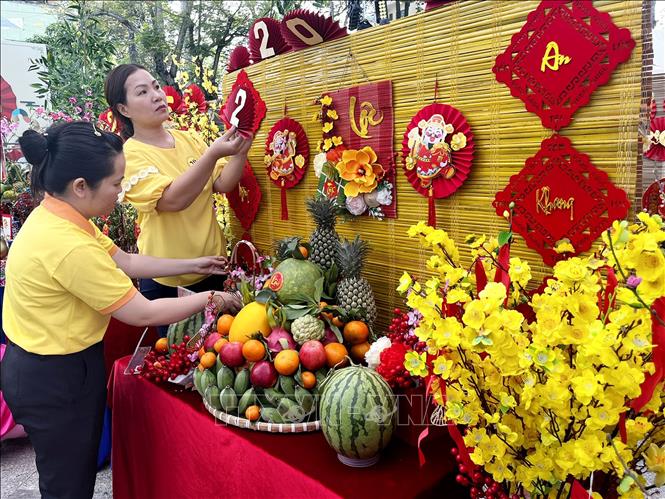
358 412
189 326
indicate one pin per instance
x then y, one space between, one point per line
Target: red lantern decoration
560 197
437 152
287 157
266 40
560 56
244 107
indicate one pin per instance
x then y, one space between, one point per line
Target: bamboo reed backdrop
456 44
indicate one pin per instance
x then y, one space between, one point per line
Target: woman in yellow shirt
64 280
170 178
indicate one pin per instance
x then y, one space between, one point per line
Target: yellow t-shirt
61 282
189 233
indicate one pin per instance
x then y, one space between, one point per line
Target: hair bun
34 146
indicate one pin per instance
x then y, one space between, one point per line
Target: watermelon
295 278
358 413
189 326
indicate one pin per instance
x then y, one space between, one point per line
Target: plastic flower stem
623 275
627 470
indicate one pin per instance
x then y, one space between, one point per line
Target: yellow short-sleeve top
189 233
61 282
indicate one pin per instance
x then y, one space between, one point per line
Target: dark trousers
153 290
59 400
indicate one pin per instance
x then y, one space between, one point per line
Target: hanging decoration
653 199
243 108
238 59
656 137
301 29
560 202
286 157
356 163
245 199
437 152
560 56
266 40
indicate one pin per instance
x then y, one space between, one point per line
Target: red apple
263 374
312 355
210 341
231 354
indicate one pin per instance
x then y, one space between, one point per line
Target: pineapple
324 239
353 291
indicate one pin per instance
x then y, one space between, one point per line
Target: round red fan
653 199
107 121
8 103
437 152
302 29
173 98
238 59
265 39
287 156
243 107
193 95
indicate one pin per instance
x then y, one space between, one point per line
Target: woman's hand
210 265
228 302
229 144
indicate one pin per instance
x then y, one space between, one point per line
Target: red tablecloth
166 445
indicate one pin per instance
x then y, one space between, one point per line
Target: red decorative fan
266 40
302 29
560 56
8 103
656 151
561 197
287 156
433 4
437 152
193 95
107 121
245 199
173 98
653 199
238 59
244 107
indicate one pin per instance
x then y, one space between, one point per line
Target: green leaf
318 289
504 237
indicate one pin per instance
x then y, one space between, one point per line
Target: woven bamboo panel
458 42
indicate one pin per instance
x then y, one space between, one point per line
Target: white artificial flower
356 205
385 197
319 161
373 355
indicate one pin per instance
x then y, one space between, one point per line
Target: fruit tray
261 425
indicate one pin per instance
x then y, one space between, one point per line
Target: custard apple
307 328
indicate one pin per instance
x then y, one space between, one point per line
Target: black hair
116 93
68 151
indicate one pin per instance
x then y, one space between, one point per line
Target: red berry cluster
483 486
391 367
160 368
399 331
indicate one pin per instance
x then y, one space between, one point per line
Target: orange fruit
303 251
202 351
253 412
337 322
336 355
356 332
253 350
162 345
219 344
287 362
308 380
358 351
208 360
224 324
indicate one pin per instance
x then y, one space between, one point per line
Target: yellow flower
326 100
458 141
654 458
327 144
519 271
586 385
415 363
332 114
361 171
337 141
457 295
404 283
316 117
653 223
473 314
443 367
564 246
327 127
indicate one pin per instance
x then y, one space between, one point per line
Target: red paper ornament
244 107
433 4
266 40
107 121
437 153
656 151
560 56
173 99
560 197
246 197
193 95
287 157
8 99
653 199
238 59
301 29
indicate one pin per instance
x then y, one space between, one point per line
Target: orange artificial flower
361 171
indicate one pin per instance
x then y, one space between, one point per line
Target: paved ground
18 474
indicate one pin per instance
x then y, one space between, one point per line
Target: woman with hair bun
64 281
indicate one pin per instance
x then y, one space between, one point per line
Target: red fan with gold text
302 29
243 108
266 40
287 156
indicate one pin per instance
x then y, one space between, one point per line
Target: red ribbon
481 276
657 357
607 298
285 208
431 212
579 492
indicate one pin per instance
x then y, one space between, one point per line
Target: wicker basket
260 425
